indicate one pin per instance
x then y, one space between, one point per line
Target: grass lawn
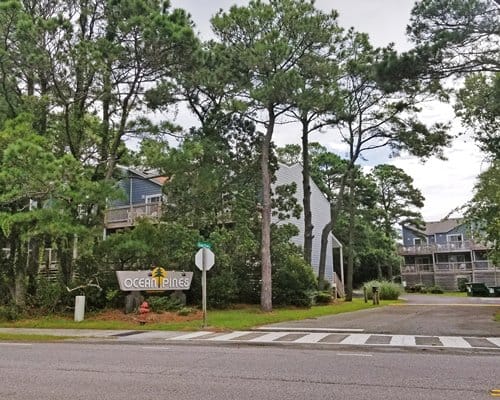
235 319
447 294
26 337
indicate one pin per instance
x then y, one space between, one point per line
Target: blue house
142 198
443 253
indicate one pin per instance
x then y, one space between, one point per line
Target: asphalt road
97 371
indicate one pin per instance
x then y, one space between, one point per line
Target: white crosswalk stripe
454 341
494 340
192 335
312 338
360 338
402 340
230 336
335 338
269 337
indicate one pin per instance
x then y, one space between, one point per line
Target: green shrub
185 311
387 290
221 288
51 296
323 298
390 291
10 312
462 284
436 289
115 298
160 304
294 282
417 288
324 285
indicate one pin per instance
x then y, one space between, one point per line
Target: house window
454 238
419 241
154 198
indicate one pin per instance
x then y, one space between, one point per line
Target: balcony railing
128 215
430 248
484 265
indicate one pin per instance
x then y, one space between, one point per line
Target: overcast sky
445 184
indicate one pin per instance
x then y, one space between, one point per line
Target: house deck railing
484 265
430 248
128 215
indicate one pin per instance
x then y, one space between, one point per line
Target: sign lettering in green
204 245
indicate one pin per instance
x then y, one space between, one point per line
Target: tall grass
387 290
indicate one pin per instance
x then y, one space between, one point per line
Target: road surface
117 371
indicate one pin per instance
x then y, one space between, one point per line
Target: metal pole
204 289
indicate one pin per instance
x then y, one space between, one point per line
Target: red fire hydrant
143 311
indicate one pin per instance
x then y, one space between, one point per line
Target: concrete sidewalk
97 334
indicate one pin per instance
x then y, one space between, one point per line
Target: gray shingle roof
442 226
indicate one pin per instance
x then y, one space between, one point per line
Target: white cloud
445 184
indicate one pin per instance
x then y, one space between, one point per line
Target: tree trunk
266 299
350 252
20 290
388 233
306 186
19 264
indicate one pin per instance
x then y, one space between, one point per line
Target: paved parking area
421 315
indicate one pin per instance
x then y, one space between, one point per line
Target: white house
320 209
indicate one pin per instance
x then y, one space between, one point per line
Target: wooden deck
126 216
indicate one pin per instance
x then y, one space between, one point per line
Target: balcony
467 245
125 216
451 267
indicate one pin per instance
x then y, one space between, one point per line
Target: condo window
419 241
455 238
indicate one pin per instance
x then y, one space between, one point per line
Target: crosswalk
329 338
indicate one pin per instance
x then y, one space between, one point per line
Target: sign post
204 260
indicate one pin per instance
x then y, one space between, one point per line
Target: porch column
341 265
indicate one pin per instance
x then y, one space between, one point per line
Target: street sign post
204 260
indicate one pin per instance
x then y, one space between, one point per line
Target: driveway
421 315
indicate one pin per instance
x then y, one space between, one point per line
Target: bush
462 284
294 282
185 311
160 304
387 290
51 296
323 298
115 298
417 288
435 289
221 288
10 312
324 285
